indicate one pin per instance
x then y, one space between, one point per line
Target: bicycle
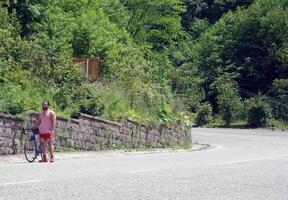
32 146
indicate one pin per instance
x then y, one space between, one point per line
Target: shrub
203 115
62 99
259 111
279 93
166 114
229 102
92 107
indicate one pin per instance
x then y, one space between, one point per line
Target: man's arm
53 119
38 121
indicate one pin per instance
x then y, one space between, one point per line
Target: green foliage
120 103
259 111
62 98
91 107
208 10
22 96
278 124
166 114
116 12
186 79
154 22
198 26
81 42
249 44
27 12
9 39
159 59
279 98
204 114
229 102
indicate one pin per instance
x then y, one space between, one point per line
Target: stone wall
91 133
10 132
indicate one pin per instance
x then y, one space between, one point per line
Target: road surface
242 164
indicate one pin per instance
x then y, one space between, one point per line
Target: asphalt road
242 164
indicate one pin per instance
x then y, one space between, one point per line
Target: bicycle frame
34 138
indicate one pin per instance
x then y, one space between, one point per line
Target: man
46 123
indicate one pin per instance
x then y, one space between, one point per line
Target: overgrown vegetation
162 61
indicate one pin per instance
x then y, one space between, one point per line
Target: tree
211 10
156 22
250 44
259 111
279 98
203 115
193 9
229 102
9 38
116 12
28 13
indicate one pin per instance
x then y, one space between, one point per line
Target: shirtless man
46 123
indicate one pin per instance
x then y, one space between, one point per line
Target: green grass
273 124
128 148
219 123
278 124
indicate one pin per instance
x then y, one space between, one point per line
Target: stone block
94 124
7 133
102 133
2 122
128 131
153 132
121 137
4 151
86 137
94 131
101 139
102 126
12 123
76 145
2 141
85 122
58 130
83 129
74 126
93 138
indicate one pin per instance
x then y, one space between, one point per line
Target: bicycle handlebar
34 130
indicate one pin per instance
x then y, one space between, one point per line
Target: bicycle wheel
30 150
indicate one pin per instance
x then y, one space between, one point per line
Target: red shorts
46 136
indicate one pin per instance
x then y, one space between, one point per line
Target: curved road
242 164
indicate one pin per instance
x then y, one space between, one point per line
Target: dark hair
46 101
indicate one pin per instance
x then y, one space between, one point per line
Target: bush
115 101
62 99
278 124
229 102
166 114
203 115
279 94
259 111
92 107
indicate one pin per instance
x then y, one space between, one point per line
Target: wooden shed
90 66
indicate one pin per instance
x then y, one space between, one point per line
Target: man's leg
44 147
51 149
